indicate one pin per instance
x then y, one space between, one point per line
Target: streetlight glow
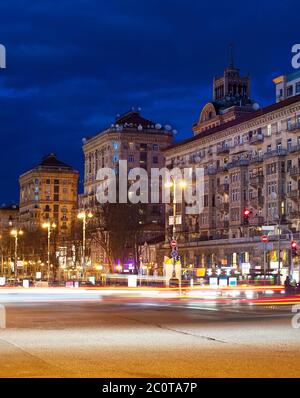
15 234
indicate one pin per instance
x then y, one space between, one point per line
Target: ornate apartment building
9 218
251 161
139 141
48 192
132 138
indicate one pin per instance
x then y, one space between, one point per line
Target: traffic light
246 216
294 248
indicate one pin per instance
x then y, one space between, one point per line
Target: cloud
73 65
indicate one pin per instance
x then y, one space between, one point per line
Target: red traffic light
294 245
247 212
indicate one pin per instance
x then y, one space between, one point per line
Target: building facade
139 141
9 218
287 86
48 192
251 162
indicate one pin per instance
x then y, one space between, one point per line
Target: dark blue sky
72 65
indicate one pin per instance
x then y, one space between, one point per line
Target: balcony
256 180
223 207
276 152
256 221
238 163
295 172
222 169
293 148
294 128
223 188
195 159
256 159
256 139
210 171
294 195
222 150
257 202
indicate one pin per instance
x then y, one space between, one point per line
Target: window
272 187
130 158
143 157
155 147
115 145
56 182
289 91
297 88
115 158
56 197
279 146
272 168
155 159
289 144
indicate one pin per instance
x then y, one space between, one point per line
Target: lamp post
50 227
84 216
173 184
15 233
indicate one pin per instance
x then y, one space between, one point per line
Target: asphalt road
122 337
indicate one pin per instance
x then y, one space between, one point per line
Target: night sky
73 65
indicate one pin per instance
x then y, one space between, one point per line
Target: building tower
48 192
231 99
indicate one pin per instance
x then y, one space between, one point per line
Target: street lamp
84 216
15 233
50 227
173 184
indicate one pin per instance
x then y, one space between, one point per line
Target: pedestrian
287 284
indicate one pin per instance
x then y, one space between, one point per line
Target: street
116 336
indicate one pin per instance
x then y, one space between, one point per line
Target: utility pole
83 215
49 228
15 234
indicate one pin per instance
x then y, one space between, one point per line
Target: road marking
2 317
